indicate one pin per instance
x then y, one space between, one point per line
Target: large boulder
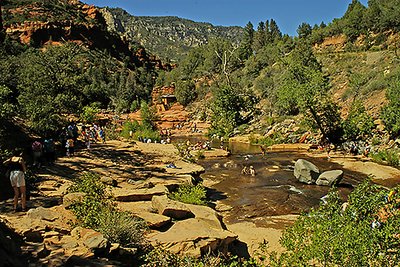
171 208
330 178
305 171
194 237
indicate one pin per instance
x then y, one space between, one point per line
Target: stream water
273 190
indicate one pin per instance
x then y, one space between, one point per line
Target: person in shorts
16 169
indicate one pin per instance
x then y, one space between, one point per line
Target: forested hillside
57 58
168 37
329 74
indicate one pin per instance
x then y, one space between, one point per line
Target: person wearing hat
16 169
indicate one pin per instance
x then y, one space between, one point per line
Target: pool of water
273 190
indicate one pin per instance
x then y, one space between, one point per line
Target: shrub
355 236
129 126
98 212
358 123
387 156
122 227
190 194
89 113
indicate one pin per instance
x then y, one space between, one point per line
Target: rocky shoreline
139 181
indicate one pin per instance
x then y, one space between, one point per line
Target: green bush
358 122
129 126
387 156
355 236
159 257
98 212
122 227
190 194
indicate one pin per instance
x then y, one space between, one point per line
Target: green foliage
190 194
331 236
129 126
185 92
159 257
97 211
304 87
89 113
228 107
122 227
95 202
358 122
391 112
387 156
148 116
6 106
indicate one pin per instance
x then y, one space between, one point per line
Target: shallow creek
273 190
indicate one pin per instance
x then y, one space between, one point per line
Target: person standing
16 169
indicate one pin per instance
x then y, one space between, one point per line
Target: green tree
260 37
304 30
185 92
358 123
6 106
274 30
354 20
391 112
51 83
246 46
148 116
306 88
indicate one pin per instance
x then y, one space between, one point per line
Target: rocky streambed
248 210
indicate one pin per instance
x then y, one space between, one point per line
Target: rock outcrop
330 178
194 237
171 208
305 171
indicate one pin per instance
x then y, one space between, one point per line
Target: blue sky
289 14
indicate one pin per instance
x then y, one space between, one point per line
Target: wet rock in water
194 237
108 181
216 166
73 198
41 213
330 178
171 208
305 171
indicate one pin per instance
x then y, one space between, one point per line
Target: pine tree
246 49
276 33
259 37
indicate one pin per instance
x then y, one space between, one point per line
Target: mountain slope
168 37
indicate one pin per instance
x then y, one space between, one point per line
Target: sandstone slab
194 237
41 213
171 208
127 194
330 178
154 220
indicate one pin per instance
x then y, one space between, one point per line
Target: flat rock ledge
171 208
194 237
126 195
